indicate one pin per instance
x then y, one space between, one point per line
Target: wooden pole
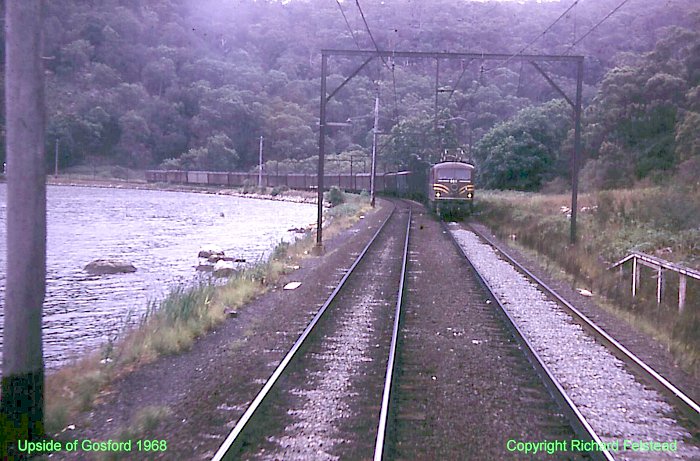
260 163
22 403
682 279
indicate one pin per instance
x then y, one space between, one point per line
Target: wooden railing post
681 292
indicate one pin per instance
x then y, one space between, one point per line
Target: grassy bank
173 324
661 221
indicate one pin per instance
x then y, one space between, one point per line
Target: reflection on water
158 232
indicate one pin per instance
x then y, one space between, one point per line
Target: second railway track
604 389
325 399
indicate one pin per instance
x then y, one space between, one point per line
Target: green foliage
334 196
649 220
170 75
524 152
644 121
278 190
419 136
216 156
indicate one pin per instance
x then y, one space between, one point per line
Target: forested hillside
194 84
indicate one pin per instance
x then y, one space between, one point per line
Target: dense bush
334 196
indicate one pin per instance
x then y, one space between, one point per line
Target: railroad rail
579 423
681 402
231 444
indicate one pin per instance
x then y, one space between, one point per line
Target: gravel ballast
617 406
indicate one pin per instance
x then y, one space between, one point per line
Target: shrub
248 186
279 190
335 196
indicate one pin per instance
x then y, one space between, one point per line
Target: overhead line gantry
533 59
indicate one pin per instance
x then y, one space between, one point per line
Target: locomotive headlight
469 195
437 194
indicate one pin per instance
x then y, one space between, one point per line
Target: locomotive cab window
461 174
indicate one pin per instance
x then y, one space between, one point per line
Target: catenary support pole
373 174
577 60
321 152
577 150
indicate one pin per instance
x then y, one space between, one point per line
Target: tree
219 154
135 136
22 402
524 152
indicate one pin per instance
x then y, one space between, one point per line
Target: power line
595 27
393 80
376 47
396 99
538 37
464 69
347 23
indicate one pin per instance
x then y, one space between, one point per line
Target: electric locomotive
451 187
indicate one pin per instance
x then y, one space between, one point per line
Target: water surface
159 232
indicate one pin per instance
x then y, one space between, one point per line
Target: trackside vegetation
662 221
173 324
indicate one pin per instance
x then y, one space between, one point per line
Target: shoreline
84 379
291 195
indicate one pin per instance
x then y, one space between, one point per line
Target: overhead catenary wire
393 82
595 27
396 98
376 47
369 31
459 79
547 29
347 23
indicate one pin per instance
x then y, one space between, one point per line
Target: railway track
330 394
465 390
604 390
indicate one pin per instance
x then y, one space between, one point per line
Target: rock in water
224 268
109 266
209 251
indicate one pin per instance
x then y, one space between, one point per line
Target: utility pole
321 153
374 149
261 164
22 403
55 170
437 92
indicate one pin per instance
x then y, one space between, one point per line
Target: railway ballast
628 416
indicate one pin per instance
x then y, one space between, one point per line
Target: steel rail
388 381
231 439
578 422
689 407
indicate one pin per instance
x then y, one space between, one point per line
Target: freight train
447 186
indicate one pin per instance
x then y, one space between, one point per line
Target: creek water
159 232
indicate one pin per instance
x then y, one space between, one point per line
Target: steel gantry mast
533 59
